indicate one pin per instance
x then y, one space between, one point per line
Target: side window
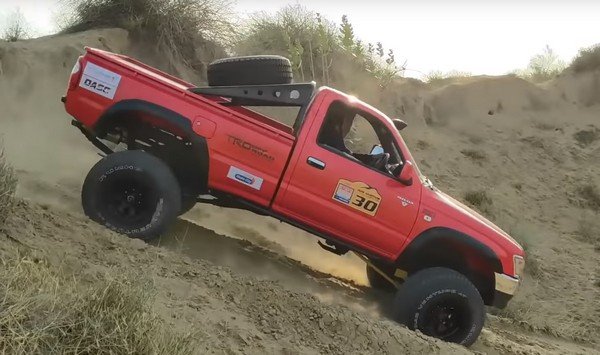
347 131
362 136
354 134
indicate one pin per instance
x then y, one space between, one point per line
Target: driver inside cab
336 128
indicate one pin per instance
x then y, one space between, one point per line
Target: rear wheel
133 193
441 303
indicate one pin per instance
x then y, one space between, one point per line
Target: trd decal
250 147
100 81
357 195
244 177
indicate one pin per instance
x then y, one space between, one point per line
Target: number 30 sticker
357 195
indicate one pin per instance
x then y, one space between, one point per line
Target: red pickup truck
342 172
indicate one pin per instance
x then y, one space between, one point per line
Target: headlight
519 265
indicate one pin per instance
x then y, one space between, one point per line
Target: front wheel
133 193
441 303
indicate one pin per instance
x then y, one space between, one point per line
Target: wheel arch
135 113
446 247
135 110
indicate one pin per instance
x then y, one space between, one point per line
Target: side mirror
407 173
399 124
376 150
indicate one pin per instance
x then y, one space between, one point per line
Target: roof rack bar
262 95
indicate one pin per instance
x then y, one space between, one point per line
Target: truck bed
181 87
238 139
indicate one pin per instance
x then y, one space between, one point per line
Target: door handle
316 163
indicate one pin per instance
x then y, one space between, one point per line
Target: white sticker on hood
100 81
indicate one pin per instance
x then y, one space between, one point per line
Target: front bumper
506 287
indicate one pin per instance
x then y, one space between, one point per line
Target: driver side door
343 197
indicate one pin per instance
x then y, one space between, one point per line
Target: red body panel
301 194
230 128
249 153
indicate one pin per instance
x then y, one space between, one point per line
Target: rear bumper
506 287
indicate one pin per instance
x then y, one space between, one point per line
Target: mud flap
379 271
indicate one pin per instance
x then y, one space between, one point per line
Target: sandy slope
232 313
528 161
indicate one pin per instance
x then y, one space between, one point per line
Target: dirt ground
252 284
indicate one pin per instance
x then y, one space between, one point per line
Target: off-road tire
250 70
427 297
379 282
133 193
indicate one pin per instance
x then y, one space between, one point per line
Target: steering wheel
380 161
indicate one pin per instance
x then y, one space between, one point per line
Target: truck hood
474 220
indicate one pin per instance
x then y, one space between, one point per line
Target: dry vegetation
438 78
8 184
475 155
317 47
543 67
588 229
480 200
586 137
587 60
175 27
42 312
590 195
15 28
532 266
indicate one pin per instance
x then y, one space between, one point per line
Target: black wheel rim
447 318
128 202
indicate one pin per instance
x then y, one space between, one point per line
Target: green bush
318 49
543 66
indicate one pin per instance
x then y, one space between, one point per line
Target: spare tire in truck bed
250 70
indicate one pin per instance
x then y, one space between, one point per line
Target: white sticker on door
100 81
245 177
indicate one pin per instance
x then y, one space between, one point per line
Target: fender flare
441 236
126 110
